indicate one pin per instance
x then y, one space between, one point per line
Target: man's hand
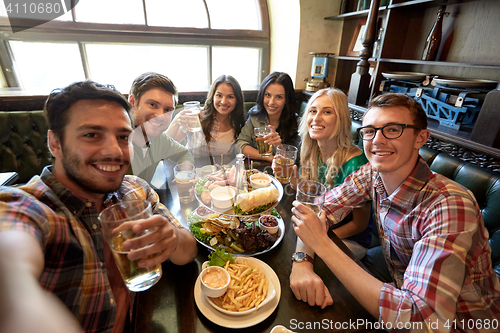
308 226
154 247
307 286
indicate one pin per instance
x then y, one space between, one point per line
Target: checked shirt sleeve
354 192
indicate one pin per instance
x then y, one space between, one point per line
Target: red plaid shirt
69 234
436 247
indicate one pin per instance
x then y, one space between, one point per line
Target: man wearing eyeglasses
431 230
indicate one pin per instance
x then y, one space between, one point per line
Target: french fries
247 288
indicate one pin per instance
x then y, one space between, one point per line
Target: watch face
299 256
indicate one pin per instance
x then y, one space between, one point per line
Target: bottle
434 39
241 175
377 45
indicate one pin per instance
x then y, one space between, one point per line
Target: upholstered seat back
23 146
484 184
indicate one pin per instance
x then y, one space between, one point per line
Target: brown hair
394 99
237 116
150 80
60 101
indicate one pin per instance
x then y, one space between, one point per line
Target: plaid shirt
197 143
69 234
436 247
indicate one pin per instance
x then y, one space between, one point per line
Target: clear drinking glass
311 194
117 222
184 175
285 160
264 149
193 115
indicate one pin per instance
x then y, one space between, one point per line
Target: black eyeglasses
391 131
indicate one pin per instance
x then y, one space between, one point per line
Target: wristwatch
301 257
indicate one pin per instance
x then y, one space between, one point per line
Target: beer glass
264 149
193 115
117 222
285 160
311 194
184 175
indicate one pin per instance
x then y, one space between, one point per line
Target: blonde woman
328 155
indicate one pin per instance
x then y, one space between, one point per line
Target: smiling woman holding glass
221 121
273 120
327 156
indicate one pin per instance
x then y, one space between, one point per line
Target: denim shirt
247 135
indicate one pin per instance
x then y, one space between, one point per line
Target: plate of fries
253 294
249 289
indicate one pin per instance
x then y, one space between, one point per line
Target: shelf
439 63
358 14
427 3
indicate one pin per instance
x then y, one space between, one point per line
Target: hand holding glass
193 115
265 149
311 194
117 222
285 160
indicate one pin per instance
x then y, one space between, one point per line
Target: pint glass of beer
285 159
117 222
193 115
264 149
184 175
311 194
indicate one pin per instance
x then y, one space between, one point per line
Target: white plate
281 233
271 291
465 83
229 321
410 76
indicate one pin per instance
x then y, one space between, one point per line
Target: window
110 11
239 62
175 13
185 65
56 65
114 41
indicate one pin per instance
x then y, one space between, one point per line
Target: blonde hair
341 134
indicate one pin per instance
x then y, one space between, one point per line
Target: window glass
186 66
55 65
2 9
110 11
231 14
175 13
65 17
242 63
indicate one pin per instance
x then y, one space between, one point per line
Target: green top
349 167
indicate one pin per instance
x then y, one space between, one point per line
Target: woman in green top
328 155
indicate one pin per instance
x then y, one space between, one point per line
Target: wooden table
169 306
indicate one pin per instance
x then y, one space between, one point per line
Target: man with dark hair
49 228
431 231
153 97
